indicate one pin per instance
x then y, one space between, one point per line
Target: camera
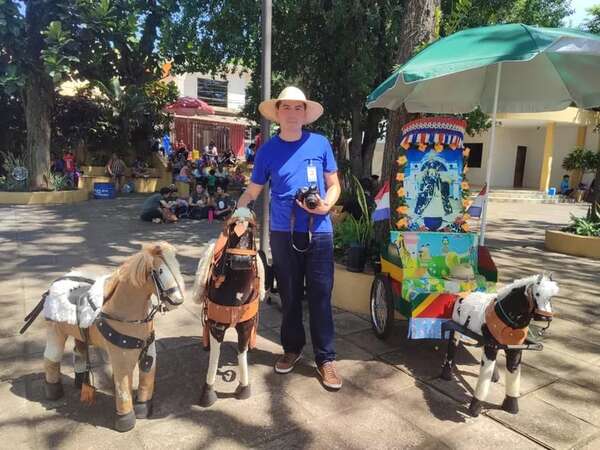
308 196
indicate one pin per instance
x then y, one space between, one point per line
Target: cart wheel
382 306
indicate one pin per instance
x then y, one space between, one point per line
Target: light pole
267 8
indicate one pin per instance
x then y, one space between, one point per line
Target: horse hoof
143 410
447 372
54 391
511 404
80 378
208 397
475 407
243 392
125 422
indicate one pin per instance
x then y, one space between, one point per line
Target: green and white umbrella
510 68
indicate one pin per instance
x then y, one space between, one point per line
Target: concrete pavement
392 396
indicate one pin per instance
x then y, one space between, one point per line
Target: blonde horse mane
136 268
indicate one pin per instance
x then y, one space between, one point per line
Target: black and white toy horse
230 284
502 320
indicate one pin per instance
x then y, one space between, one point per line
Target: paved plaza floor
392 396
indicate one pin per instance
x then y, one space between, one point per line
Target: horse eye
537 294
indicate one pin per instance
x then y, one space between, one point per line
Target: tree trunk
39 100
595 213
369 141
38 96
356 144
418 27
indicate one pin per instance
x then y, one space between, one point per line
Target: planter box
571 244
351 291
42 198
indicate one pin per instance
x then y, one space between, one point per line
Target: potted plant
361 232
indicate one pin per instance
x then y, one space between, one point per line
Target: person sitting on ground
211 181
199 203
222 177
249 153
115 168
154 207
565 186
185 174
222 204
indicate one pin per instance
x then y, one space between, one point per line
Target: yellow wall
547 157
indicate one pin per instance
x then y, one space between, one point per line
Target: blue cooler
552 191
104 190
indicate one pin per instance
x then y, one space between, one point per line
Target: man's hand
322 206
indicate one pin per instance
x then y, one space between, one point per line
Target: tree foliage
45 42
335 50
592 24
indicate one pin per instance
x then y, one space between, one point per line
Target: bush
8 182
583 226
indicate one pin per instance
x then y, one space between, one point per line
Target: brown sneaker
329 375
286 362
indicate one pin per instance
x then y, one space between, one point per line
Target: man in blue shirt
301 237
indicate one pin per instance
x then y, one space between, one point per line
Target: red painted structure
198 131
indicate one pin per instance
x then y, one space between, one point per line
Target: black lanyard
311 220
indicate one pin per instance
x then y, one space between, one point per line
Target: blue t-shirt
286 164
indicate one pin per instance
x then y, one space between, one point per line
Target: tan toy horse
114 312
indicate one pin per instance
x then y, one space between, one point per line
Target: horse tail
35 312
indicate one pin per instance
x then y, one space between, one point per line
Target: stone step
553 200
505 194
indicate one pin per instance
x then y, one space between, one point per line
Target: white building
530 148
221 92
529 151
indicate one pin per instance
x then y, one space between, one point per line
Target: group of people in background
167 206
66 166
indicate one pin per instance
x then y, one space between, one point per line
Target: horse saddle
74 299
502 332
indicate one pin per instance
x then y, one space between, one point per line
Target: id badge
311 174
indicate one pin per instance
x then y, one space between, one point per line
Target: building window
475 154
213 92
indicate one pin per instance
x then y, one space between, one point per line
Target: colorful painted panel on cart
437 255
429 313
429 191
432 184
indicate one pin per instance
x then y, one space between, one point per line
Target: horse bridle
546 316
162 294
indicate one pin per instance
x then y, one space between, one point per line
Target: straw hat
268 108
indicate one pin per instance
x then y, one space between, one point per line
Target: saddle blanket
73 301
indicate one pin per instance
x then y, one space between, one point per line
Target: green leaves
593 23
581 159
362 228
583 226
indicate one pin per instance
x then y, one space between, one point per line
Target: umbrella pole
488 174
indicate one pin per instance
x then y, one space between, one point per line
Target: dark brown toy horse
229 284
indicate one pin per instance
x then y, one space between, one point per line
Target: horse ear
155 250
540 278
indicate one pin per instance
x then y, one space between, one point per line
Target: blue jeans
292 268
